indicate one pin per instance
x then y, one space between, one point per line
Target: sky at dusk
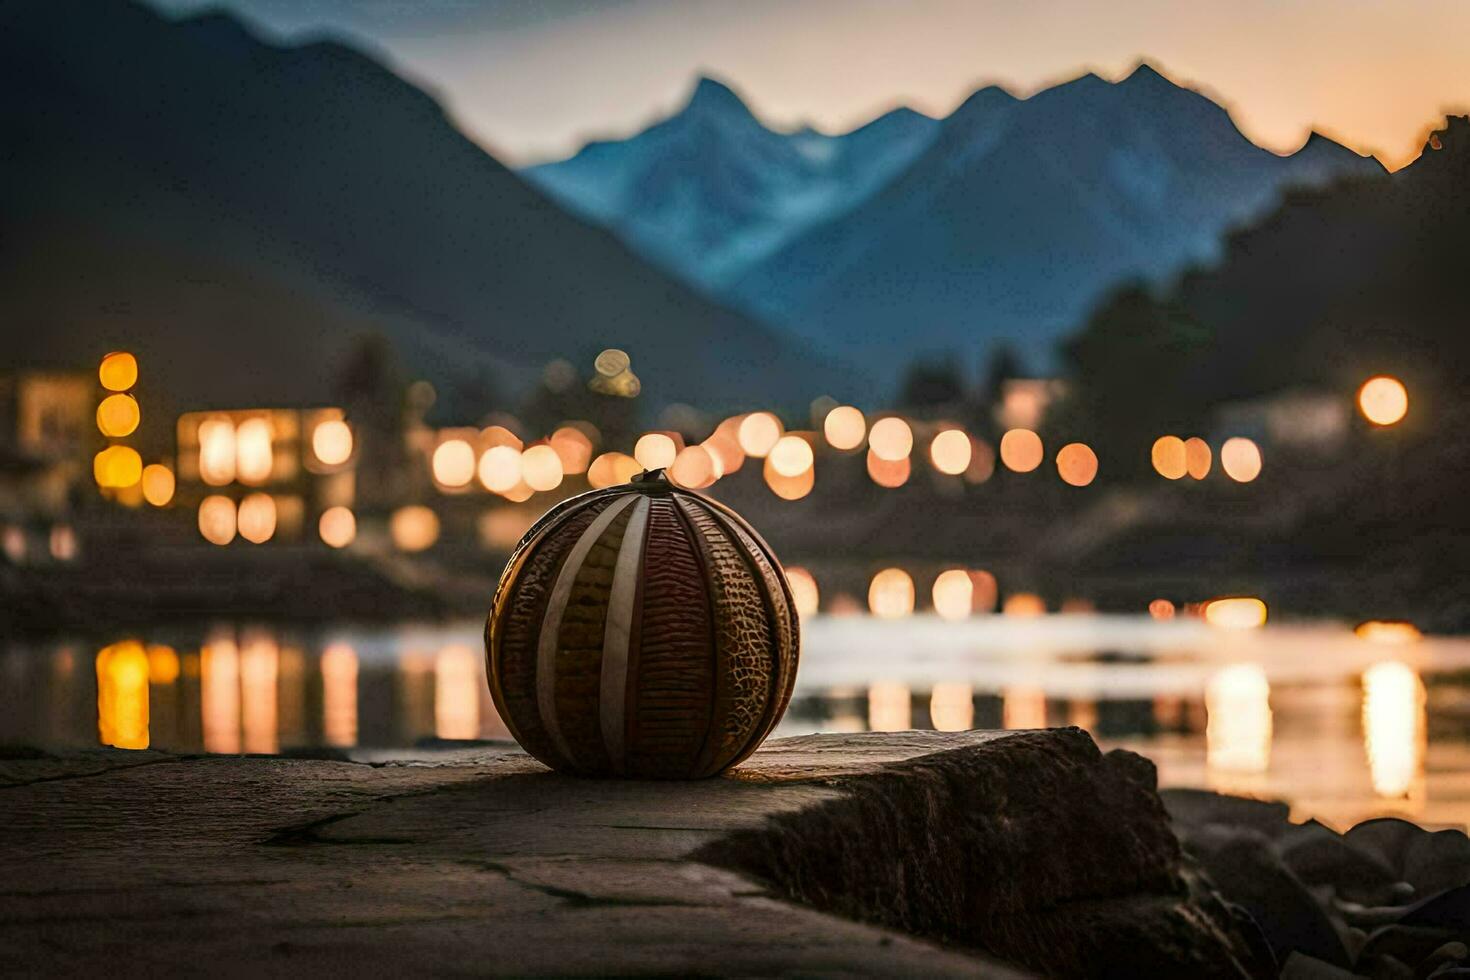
533 79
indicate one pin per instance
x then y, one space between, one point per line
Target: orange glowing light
122 695
1238 725
1021 450
158 484
541 468
954 594
1024 605
337 527
163 665
1161 609
888 474
890 707
1077 464
1197 458
1389 632
331 442
217 519
758 433
952 706
453 463
1023 707
1169 457
458 680
789 487
724 447
1236 612
845 427
339 695
612 469
891 594
254 456
694 467
1383 400
791 456
217 451
1240 458
498 435
500 468
655 450
413 528
984 591
256 519
1394 727
118 371
117 416
117 467
891 439
573 448
803 591
950 452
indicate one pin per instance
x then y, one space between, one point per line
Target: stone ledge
481 860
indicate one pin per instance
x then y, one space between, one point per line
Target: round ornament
642 631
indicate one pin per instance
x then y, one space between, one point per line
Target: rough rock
1032 848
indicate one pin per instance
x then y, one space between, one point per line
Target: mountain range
1008 219
241 213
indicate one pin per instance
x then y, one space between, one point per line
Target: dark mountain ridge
271 204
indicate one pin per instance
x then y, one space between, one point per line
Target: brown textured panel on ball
742 637
515 656
579 649
672 672
783 628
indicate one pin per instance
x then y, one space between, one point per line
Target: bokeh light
500 468
1383 400
1168 457
1021 450
256 519
337 527
413 528
1236 612
217 451
453 463
890 707
1197 458
982 462
117 466
1240 458
1388 632
1024 605
693 468
891 594
122 695
952 706
1394 727
655 451
254 455
541 468
573 448
498 435
844 427
984 591
888 473
950 451
789 487
612 469
758 433
803 591
117 416
791 456
1238 720
724 447
891 439
158 484
118 371
331 442
1077 464
1161 609
954 594
217 519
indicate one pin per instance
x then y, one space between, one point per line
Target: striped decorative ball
643 631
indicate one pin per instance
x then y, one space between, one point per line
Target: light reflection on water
1339 724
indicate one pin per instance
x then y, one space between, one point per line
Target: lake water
1341 726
